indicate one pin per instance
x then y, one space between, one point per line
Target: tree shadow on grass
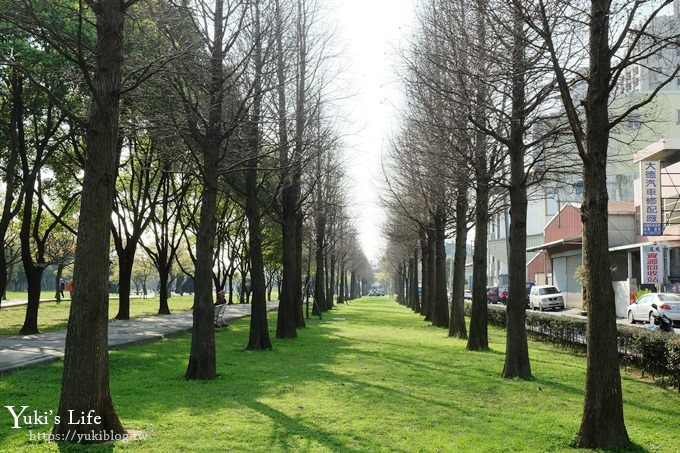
72 447
287 426
148 384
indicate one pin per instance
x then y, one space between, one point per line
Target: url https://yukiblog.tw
74 436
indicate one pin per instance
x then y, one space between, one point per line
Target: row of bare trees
504 96
174 118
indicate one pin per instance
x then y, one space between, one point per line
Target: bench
219 311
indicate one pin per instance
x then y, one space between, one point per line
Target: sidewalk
26 350
16 302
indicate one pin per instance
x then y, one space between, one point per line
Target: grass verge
371 376
54 316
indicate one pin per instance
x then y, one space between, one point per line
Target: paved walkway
25 350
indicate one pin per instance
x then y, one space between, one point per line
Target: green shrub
655 354
673 355
641 292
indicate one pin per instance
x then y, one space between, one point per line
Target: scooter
662 322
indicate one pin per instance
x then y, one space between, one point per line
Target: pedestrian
504 296
69 288
220 298
61 287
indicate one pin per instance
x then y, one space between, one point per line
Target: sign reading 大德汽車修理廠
652 264
650 205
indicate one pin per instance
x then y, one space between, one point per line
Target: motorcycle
662 323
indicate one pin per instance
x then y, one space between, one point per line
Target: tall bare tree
618 35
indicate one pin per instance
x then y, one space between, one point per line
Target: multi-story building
654 121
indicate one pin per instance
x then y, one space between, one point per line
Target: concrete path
25 350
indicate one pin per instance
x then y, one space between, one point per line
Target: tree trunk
32 270
319 280
330 294
425 276
230 279
286 317
126 258
164 294
202 362
440 312
299 316
34 279
259 327
457 326
8 211
431 272
85 383
517 362
352 285
602 425
478 339
342 275
414 282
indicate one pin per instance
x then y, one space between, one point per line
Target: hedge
655 354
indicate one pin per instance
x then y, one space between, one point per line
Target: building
641 130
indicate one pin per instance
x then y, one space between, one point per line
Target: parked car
529 285
467 295
545 296
492 295
668 304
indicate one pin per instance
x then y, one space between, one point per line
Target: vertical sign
650 206
652 264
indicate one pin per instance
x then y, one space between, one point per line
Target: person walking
69 288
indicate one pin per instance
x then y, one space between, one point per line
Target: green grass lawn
54 316
369 377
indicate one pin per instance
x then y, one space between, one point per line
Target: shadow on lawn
244 379
287 426
147 384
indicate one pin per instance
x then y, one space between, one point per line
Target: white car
642 310
545 296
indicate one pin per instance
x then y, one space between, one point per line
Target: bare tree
617 37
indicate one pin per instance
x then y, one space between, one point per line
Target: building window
633 121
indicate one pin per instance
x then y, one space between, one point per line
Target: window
671 210
634 121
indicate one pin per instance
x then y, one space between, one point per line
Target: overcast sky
370 33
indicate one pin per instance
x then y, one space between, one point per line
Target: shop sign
650 205
652 264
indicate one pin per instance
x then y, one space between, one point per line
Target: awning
573 241
636 246
666 150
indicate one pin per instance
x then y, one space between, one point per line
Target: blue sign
652 229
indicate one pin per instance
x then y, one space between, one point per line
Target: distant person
504 296
61 287
220 298
69 288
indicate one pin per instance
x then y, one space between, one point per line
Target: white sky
370 32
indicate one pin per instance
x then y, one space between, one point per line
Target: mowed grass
371 376
54 316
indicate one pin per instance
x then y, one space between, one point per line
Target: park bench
219 311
